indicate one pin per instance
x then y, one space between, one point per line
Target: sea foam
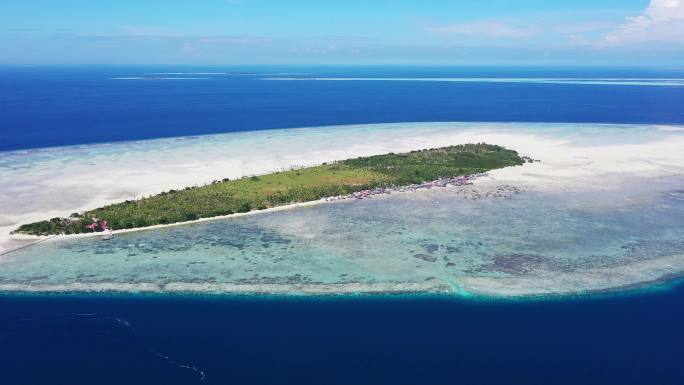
585 81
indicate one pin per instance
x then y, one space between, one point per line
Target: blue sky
507 32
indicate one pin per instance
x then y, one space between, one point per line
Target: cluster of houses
443 182
501 191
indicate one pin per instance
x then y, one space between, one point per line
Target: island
351 178
574 223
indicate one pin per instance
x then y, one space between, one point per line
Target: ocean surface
100 339
54 106
622 338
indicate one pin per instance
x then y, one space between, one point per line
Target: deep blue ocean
634 338
100 339
53 106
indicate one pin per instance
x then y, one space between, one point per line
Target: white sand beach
45 183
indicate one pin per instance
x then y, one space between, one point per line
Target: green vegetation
280 188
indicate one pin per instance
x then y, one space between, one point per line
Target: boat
107 234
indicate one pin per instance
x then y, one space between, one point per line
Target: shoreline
27 240
327 200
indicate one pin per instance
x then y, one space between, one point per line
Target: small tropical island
351 178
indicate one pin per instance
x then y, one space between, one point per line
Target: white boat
107 234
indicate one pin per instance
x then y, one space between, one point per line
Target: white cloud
490 29
662 21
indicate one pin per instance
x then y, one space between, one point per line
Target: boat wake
69 338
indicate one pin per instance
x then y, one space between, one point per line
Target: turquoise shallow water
431 241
